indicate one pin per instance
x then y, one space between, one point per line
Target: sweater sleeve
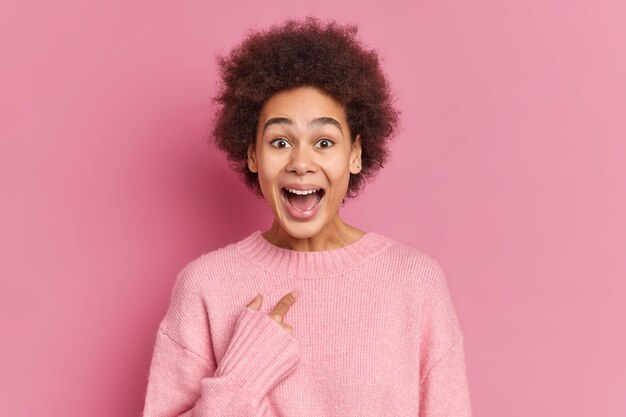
184 379
444 389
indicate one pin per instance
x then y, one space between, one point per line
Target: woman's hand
280 310
255 368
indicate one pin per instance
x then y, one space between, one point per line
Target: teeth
301 192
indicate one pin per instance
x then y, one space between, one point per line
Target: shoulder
421 274
425 287
426 282
186 314
202 271
412 260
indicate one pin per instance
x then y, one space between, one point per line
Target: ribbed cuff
222 396
260 354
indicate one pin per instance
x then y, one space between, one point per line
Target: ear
355 156
252 162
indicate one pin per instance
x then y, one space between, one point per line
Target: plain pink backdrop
509 169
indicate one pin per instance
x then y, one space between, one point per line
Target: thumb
256 302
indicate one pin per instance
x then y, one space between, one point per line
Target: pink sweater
375 334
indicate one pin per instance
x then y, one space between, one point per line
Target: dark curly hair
304 53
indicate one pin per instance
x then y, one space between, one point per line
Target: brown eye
282 141
328 143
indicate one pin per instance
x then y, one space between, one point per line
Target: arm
184 379
444 388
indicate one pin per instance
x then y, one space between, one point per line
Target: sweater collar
316 264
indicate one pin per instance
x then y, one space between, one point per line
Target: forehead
302 105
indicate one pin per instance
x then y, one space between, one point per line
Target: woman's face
303 143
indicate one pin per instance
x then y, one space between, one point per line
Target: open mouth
303 200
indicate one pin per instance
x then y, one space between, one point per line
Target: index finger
284 304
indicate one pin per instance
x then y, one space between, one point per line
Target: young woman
345 322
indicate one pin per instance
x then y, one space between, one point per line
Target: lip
294 212
303 187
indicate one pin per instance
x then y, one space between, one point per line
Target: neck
336 234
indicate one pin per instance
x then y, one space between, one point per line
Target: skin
323 155
279 311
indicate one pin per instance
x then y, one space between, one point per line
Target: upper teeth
301 192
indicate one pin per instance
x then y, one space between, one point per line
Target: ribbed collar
317 264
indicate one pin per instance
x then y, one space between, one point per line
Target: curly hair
304 53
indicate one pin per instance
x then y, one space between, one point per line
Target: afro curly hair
304 53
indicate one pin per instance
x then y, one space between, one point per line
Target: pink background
509 170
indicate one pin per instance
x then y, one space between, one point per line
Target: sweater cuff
260 354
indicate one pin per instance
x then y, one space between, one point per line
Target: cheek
268 172
337 170
338 175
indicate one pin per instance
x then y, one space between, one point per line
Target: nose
301 160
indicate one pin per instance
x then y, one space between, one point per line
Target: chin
301 230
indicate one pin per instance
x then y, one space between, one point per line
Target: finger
288 329
256 303
283 306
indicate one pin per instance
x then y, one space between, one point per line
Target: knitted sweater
374 334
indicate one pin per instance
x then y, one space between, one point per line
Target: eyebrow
318 121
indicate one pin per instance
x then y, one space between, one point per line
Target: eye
328 141
279 140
